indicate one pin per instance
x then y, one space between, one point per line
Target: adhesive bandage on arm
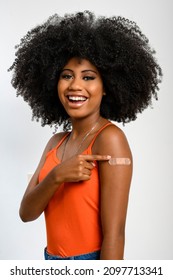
119 161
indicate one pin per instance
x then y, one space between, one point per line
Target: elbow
25 217
25 220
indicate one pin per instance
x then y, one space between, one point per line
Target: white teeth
77 98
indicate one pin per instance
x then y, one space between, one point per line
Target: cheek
98 91
99 87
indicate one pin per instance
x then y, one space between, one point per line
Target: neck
81 126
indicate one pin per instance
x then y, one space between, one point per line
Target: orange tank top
72 215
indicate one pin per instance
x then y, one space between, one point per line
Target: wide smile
76 100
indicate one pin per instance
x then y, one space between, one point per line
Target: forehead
80 63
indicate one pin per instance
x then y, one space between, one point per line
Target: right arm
37 195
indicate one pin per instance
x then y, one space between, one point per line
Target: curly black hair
115 45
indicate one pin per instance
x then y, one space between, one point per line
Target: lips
76 99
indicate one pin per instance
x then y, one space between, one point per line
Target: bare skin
115 184
81 78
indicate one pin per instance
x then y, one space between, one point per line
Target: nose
75 84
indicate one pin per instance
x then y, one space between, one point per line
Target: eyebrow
83 71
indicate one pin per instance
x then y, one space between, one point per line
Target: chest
70 148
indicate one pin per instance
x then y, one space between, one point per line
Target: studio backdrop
149 226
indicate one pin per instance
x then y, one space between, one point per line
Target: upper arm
114 180
50 145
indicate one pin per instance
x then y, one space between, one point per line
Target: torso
71 148
73 215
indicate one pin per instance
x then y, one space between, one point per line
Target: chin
76 114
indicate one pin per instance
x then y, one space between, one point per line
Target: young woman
82 72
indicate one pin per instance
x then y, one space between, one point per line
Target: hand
77 168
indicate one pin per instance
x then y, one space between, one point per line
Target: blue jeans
90 256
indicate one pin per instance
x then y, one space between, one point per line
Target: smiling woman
80 87
83 72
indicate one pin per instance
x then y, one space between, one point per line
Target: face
80 88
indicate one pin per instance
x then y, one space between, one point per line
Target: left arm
115 185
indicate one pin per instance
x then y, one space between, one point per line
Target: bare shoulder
110 132
54 140
113 141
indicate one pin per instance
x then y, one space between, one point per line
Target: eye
66 76
88 78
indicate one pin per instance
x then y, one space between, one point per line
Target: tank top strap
60 142
98 132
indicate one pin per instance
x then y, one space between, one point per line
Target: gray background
149 221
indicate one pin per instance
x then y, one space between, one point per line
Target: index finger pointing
96 157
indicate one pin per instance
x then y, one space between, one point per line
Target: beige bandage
119 161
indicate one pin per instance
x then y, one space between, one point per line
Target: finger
89 165
95 157
85 178
87 172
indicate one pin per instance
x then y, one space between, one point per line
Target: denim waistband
89 256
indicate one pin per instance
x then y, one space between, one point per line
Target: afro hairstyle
115 45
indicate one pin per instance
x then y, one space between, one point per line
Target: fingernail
108 157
